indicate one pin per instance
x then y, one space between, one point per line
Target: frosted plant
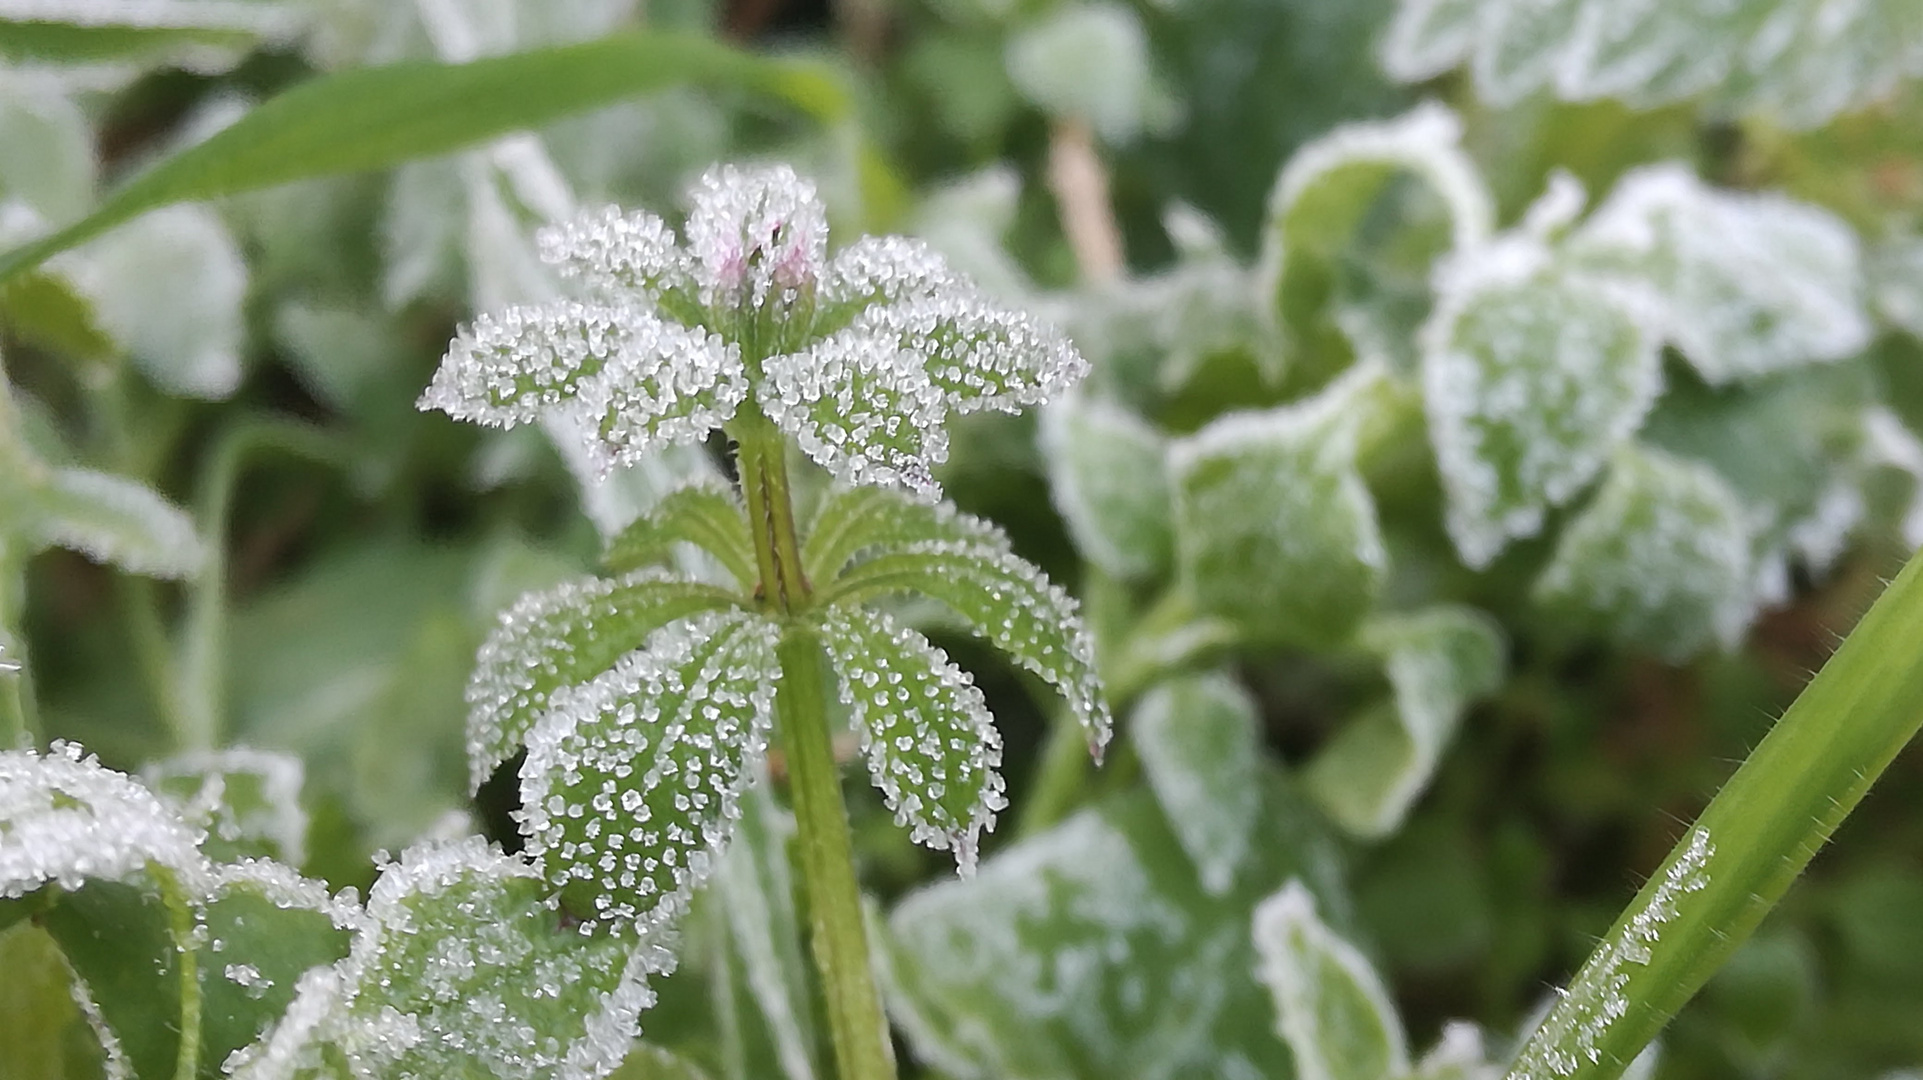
646 699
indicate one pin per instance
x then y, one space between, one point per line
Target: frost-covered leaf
633 381
1438 661
1531 375
757 236
1092 950
246 801
931 744
617 253
68 820
1330 1004
755 891
1460 1055
1428 37
648 1061
1200 744
1741 284
864 410
1274 529
1107 475
854 519
168 287
1332 188
1090 60
563 637
709 516
630 785
1008 603
114 520
879 270
461 968
1659 560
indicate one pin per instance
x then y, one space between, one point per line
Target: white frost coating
264 806
1569 1038
1201 749
860 358
284 887
1107 478
1531 376
119 1067
1306 965
631 781
244 16
1890 442
1428 37
1743 285
931 745
1425 141
69 820
1458 1055
112 519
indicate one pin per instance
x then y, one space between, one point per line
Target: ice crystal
247 801
631 780
68 820
860 357
932 747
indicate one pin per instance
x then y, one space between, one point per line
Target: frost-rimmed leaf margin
1108 479
114 519
1325 990
852 520
705 513
1199 741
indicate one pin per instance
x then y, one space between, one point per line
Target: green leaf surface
262 930
1092 951
246 801
560 638
709 516
648 1061
853 519
1330 1003
654 753
371 118
1274 530
1660 560
754 890
1107 476
112 519
931 744
73 43
1438 661
119 939
1199 738
1005 601
45 1036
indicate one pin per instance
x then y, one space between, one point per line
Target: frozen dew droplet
65 820
863 408
756 233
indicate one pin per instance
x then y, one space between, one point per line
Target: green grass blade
370 118
1748 846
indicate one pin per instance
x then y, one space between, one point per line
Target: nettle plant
645 700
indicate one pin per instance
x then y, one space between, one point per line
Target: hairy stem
1757 835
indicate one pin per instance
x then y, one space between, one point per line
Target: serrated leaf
112 519
654 753
1200 746
1274 530
1659 560
754 888
1091 950
1438 662
1531 376
931 744
462 968
247 802
563 637
866 412
370 118
1005 601
854 519
1106 473
1330 1004
1743 285
709 516
1319 266
169 289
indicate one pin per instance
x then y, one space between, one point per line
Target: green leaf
1315 238
246 801
655 753
853 519
1274 530
650 1062
1330 1004
931 744
50 162
371 118
707 515
67 820
40 1025
562 637
1742 285
1531 376
462 968
1005 601
143 45
1092 950
755 891
1107 476
1438 661
43 309
263 929
112 519
1201 747
119 940
1659 560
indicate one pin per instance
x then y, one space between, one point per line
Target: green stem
1746 848
140 608
181 919
840 940
17 727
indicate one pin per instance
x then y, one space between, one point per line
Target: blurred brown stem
1079 181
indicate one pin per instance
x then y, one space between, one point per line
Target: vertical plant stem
840 940
1079 181
1739 858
